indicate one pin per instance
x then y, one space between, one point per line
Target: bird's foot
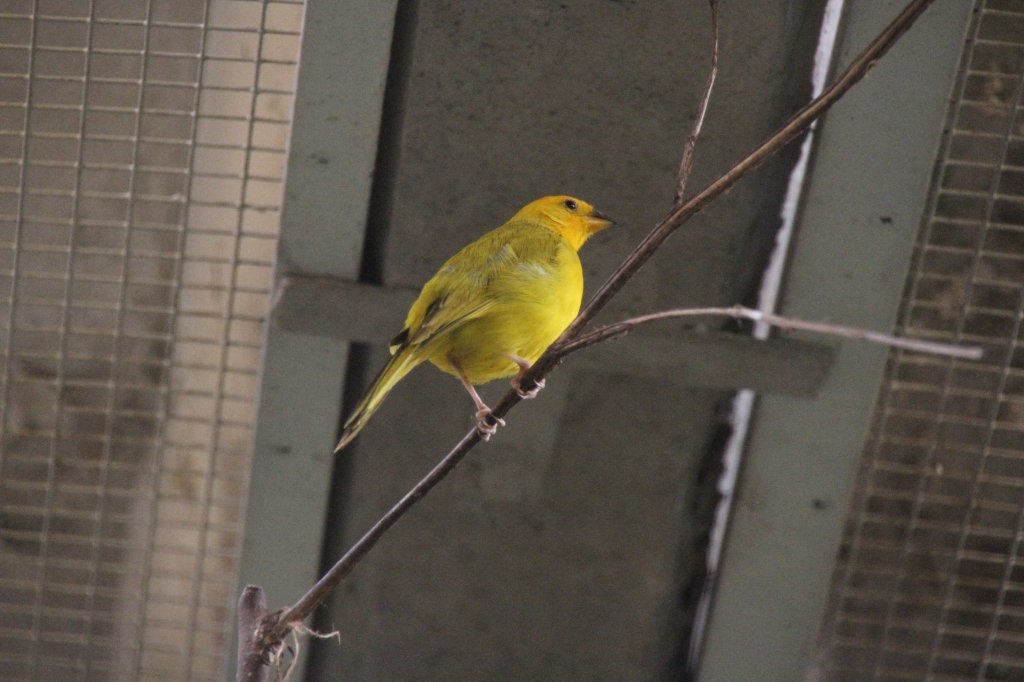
524 366
526 395
486 423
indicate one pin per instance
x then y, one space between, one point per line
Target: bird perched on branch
494 307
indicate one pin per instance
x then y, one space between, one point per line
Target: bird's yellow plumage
495 306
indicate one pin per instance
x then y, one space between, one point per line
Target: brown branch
277 625
738 312
686 165
344 566
253 660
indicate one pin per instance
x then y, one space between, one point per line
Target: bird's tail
400 364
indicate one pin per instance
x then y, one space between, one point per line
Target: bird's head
573 218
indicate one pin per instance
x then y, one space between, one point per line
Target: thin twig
278 625
686 165
678 215
739 312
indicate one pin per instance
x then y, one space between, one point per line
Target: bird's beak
597 221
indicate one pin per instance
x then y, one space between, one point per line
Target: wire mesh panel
142 148
929 584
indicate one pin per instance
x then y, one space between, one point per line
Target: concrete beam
346 48
349 311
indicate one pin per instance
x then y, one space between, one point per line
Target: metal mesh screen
142 149
929 584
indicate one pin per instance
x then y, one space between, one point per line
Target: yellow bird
495 306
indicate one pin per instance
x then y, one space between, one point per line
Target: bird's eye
570 204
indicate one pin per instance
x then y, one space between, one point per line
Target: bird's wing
468 284
443 314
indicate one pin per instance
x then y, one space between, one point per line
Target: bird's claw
526 395
485 428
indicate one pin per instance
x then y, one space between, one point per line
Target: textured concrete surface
567 547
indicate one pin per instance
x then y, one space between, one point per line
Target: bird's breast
533 306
